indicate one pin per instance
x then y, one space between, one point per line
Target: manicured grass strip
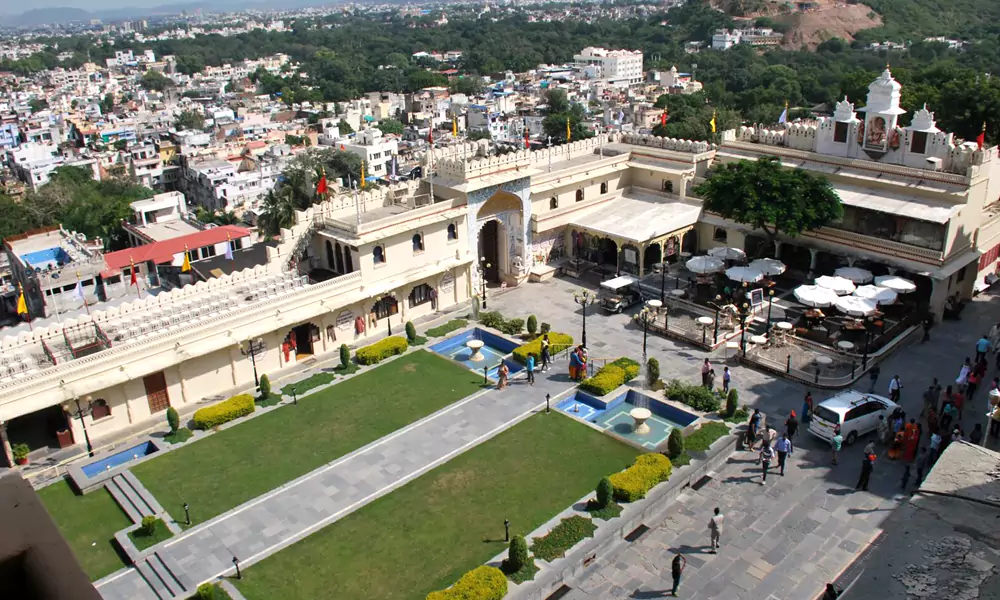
525 573
238 464
143 541
348 369
441 330
178 437
89 524
313 381
607 513
270 400
563 536
425 535
211 591
702 438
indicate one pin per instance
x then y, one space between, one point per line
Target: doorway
489 248
303 341
38 429
156 392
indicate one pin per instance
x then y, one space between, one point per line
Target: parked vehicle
856 414
619 293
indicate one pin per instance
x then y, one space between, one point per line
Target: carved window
918 143
840 132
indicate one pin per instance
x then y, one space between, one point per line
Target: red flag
430 136
526 143
981 138
133 280
342 148
663 118
321 185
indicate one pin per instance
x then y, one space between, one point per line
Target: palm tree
278 211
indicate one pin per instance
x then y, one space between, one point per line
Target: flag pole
357 202
83 293
430 163
22 302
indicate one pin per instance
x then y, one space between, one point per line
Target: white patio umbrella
855 274
899 285
704 264
768 266
855 306
728 253
815 296
839 285
875 293
746 274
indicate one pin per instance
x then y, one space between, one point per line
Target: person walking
931 397
928 323
923 463
836 443
753 427
676 568
726 380
906 478
545 352
529 367
711 379
963 374
765 457
970 388
502 374
882 433
895 386
791 424
935 447
785 449
995 421
715 527
982 347
807 409
831 592
873 374
705 368
768 437
867 466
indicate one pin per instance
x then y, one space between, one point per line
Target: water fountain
475 348
640 414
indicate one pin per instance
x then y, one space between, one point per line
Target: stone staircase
133 497
165 577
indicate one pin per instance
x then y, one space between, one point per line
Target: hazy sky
19 6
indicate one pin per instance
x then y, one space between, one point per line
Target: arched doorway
330 264
500 235
340 258
628 259
489 250
650 257
689 243
348 261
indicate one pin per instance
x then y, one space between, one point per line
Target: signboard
345 319
447 283
671 247
631 256
757 297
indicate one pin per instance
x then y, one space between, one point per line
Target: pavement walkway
275 520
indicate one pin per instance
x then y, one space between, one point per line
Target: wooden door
156 392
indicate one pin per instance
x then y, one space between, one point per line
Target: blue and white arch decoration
518 234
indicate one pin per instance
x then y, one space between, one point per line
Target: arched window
579 195
418 243
99 409
378 255
604 187
452 232
553 202
668 186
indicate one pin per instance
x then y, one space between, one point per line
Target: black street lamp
295 396
744 311
236 563
715 333
187 514
547 398
80 414
868 324
506 530
645 316
483 265
663 281
770 294
584 298
253 348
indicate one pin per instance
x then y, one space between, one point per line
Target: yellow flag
362 174
187 261
454 126
712 122
22 305
569 132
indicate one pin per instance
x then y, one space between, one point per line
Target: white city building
375 150
620 68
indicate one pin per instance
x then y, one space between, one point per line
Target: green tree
772 199
732 402
411 332
108 103
418 79
517 555
559 112
344 127
474 135
652 371
605 491
38 104
265 386
156 81
388 126
189 119
675 443
277 212
173 419
470 86
345 356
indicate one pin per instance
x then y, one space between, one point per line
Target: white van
856 414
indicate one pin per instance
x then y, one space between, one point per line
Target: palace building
917 201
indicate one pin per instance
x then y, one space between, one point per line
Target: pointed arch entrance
500 243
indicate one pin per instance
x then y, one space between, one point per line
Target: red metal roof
164 252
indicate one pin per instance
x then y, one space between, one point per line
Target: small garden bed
303 386
697 397
612 510
568 533
178 437
525 573
143 538
443 330
211 591
702 439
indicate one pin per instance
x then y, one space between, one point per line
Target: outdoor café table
758 340
824 361
845 345
677 293
854 325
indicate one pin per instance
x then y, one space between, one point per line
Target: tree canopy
558 113
189 119
770 198
390 126
156 81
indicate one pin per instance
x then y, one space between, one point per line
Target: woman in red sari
911 439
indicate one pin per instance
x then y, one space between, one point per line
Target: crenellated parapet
667 143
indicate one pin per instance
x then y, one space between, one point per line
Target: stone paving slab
275 520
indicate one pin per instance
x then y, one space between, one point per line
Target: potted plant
20 452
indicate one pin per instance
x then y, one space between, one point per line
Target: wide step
154 581
173 584
123 501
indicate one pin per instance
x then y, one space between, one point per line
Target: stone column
233 352
777 249
7 452
813 253
180 376
642 258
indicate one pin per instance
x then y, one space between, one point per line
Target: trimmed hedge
223 412
697 397
610 376
381 350
481 583
563 536
558 342
634 482
447 328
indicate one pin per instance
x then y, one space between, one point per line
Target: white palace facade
917 201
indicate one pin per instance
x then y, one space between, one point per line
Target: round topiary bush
411 332
149 525
173 419
345 355
732 403
517 556
604 492
652 371
265 386
532 325
675 443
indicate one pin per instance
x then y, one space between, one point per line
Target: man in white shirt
894 387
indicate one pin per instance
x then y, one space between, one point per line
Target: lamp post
663 280
867 323
744 311
547 398
770 295
187 514
295 396
236 563
584 298
253 348
483 265
80 414
715 332
506 530
645 316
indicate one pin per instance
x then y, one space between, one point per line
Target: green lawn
425 535
238 464
143 541
89 524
